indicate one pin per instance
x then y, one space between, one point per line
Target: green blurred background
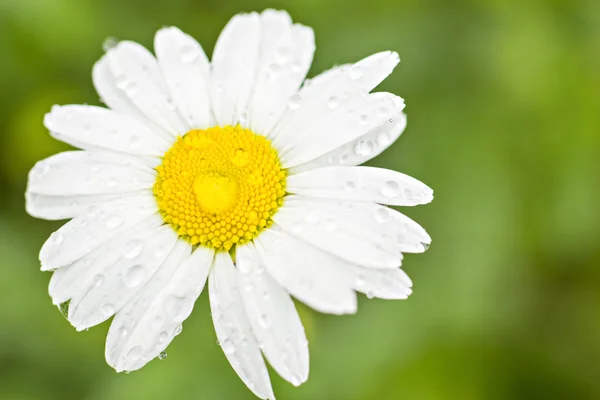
504 123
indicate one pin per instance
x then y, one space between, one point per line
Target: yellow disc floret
220 186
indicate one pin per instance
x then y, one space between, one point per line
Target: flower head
236 171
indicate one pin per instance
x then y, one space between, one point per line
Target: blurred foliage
503 105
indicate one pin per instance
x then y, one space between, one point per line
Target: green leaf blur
503 105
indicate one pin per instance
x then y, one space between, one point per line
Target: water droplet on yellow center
220 186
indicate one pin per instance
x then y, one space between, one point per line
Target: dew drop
333 102
42 169
245 264
109 43
134 275
122 331
121 82
132 249
57 238
228 347
294 102
382 111
274 71
177 329
283 55
363 148
173 305
312 217
114 221
162 355
390 189
135 353
344 158
355 72
370 294
350 186
382 215
98 280
384 139
425 246
188 54
163 337
264 321
108 309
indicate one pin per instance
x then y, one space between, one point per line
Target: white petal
336 228
110 94
83 234
362 149
322 96
307 273
273 317
90 127
150 321
137 261
76 173
63 207
137 74
187 72
234 65
285 55
68 280
350 120
369 184
391 284
233 328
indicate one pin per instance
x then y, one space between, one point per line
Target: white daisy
231 172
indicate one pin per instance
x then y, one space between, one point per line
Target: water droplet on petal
383 139
162 355
109 43
132 249
177 329
363 148
98 280
425 245
228 347
264 321
163 337
108 310
350 186
390 189
355 72
135 353
134 275
382 215
114 221
333 102
294 102
57 238
188 54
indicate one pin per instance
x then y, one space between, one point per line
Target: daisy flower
237 172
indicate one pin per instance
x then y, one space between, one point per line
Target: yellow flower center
220 186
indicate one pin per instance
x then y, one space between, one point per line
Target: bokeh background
503 103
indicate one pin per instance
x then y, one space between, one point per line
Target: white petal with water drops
233 328
138 260
138 75
332 227
285 55
151 320
234 65
187 72
90 127
351 120
391 284
114 97
85 233
55 207
361 149
273 317
76 173
368 184
69 280
328 98
312 277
